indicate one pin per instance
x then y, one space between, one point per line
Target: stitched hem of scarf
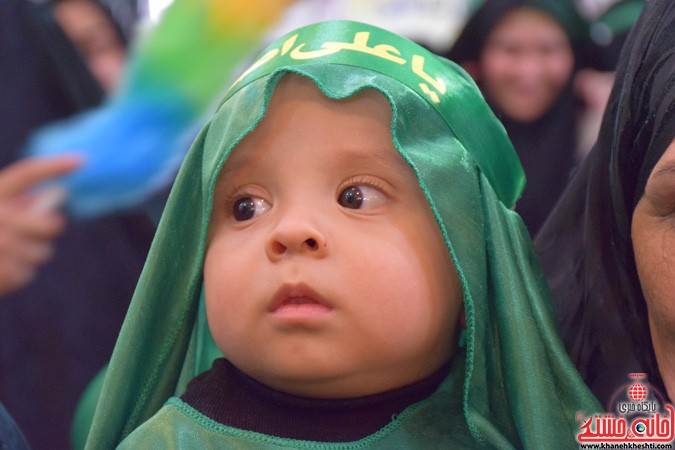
253 436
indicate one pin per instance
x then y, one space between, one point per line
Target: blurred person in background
608 23
430 23
29 221
521 54
58 331
28 225
607 248
89 25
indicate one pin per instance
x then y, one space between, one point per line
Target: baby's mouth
298 298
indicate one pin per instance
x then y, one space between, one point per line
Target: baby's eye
360 196
249 207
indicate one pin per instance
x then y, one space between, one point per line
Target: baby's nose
296 238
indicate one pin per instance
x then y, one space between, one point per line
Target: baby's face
326 274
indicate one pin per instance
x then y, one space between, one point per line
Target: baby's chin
334 384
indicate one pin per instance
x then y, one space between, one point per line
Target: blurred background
60 312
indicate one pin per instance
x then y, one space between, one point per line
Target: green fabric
364 46
620 18
519 388
84 413
566 14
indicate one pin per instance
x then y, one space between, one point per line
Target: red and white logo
638 414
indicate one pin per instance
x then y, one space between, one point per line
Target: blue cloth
10 435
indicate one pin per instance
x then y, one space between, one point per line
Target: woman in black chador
604 231
521 54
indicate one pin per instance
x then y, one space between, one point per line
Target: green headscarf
519 388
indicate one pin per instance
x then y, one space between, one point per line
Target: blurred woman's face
526 62
93 34
653 235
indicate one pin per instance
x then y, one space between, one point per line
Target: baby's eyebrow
385 158
233 165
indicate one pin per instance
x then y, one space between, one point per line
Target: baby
344 218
